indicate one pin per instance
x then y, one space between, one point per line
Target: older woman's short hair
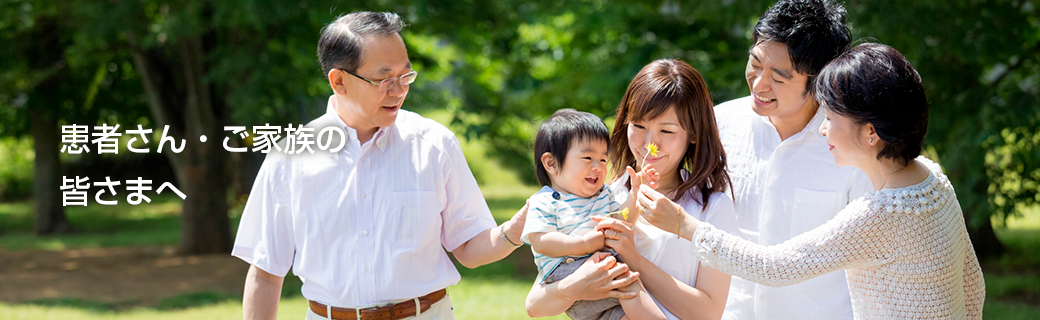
873 83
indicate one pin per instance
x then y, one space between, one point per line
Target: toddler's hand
594 241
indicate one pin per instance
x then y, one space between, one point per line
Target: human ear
549 163
335 77
870 134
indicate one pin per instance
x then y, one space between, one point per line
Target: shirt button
364 196
362 159
364 232
760 297
366 269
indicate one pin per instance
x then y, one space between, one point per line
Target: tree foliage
503 66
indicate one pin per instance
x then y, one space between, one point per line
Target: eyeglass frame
380 83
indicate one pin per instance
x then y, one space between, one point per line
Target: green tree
520 61
48 79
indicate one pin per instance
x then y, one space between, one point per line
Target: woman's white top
667 252
906 253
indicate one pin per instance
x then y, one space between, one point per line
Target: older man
366 228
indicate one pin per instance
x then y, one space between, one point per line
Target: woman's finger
617 270
624 280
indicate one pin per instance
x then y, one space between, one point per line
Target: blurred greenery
16 174
497 69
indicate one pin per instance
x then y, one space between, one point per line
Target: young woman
668 105
904 245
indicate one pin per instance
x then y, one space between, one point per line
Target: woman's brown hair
664 84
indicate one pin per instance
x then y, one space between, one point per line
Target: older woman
904 245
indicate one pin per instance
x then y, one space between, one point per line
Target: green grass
474 298
123 225
1013 280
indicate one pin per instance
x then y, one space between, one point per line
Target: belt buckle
359 312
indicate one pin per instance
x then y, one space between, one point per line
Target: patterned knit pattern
906 254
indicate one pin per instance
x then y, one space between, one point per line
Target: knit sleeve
974 284
855 238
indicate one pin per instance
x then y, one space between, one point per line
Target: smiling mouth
760 99
592 180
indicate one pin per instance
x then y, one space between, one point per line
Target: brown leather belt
391 311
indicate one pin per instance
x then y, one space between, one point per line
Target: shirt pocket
812 209
413 215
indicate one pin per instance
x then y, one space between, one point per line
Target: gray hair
340 42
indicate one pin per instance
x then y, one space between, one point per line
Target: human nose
396 88
598 166
761 83
823 127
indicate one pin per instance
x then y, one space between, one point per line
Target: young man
785 181
366 228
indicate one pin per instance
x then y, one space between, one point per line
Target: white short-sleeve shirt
664 249
783 188
368 224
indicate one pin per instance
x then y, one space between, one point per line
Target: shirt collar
381 137
811 128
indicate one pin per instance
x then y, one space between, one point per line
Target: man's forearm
262 292
488 246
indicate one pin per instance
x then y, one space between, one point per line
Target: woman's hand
664 214
620 236
598 278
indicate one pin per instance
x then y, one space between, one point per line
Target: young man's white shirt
782 189
369 224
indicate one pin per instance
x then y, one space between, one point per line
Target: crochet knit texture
906 254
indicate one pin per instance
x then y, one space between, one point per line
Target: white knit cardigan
906 254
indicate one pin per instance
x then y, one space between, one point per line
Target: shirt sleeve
265 232
466 214
541 217
721 213
855 238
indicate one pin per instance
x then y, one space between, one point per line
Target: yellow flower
623 213
652 148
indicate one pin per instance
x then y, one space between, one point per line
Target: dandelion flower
652 149
623 213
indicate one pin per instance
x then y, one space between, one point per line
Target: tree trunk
178 85
50 214
47 53
205 227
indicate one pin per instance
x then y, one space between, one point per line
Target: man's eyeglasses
388 83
